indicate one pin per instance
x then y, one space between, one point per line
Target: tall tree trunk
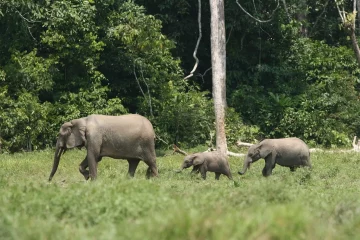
358 9
218 62
301 16
349 23
355 45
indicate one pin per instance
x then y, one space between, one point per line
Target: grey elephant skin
207 161
287 152
129 137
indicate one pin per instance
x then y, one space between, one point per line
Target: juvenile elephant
287 152
207 161
129 137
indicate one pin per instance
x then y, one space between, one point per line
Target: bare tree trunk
355 44
218 62
301 16
358 9
349 23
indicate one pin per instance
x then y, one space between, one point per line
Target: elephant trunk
182 168
58 152
247 163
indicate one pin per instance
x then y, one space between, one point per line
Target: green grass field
322 203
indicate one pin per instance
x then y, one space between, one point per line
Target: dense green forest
294 73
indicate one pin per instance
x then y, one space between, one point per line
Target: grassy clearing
323 203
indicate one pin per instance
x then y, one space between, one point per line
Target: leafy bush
237 130
24 123
326 112
90 100
184 118
312 96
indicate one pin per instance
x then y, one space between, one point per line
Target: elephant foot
150 173
293 169
266 172
85 173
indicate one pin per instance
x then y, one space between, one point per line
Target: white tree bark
348 20
218 62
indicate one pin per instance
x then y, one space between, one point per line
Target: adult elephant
129 137
287 152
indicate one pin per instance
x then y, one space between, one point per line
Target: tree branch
235 154
356 146
340 12
317 19
197 43
148 99
286 10
160 139
178 150
256 19
27 26
240 144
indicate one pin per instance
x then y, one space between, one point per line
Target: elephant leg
269 166
203 172
306 162
149 157
229 175
227 172
292 168
267 170
83 169
195 170
152 170
217 175
93 157
84 165
133 163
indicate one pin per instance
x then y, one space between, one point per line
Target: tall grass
322 203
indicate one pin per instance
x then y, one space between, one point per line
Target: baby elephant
287 152
207 161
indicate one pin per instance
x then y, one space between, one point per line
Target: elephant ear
77 134
64 133
198 159
264 151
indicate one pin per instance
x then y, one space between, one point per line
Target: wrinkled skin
129 137
287 152
207 161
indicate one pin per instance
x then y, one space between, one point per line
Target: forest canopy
292 74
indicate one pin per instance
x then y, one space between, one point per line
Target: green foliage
73 58
326 113
82 58
305 204
184 118
27 71
24 122
237 130
142 54
313 96
87 101
71 32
